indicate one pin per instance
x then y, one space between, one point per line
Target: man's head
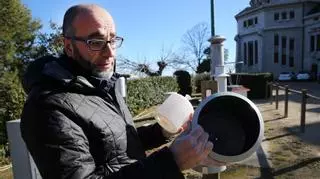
90 38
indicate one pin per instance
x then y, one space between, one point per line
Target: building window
276 57
256 55
250 53
250 22
276 40
244 23
291 44
284 15
283 58
284 49
276 16
312 39
245 53
318 42
284 42
291 52
291 61
291 15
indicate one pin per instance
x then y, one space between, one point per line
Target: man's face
97 24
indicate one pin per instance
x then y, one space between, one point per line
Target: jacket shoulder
33 75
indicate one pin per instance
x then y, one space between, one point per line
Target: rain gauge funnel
234 124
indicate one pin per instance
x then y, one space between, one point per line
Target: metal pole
277 96
303 111
221 78
221 81
286 101
212 18
271 92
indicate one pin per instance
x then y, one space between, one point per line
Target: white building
278 36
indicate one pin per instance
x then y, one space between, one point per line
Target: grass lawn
6 174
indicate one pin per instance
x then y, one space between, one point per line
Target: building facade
279 36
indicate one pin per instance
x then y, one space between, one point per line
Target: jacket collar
69 73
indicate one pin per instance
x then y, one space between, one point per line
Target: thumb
187 126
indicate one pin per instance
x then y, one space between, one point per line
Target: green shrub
204 66
184 82
4 155
12 99
146 92
197 81
256 82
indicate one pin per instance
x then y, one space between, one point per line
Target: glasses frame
87 42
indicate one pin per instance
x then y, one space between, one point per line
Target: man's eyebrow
99 34
95 34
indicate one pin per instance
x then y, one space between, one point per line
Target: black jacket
78 126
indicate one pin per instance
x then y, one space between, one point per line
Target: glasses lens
96 44
117 42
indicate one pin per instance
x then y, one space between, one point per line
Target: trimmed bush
197 80
184 82
146 92
256 82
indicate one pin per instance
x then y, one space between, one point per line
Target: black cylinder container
234 124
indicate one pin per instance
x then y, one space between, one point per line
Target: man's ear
68 48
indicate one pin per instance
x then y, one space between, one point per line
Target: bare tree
125 64
165 59
195 41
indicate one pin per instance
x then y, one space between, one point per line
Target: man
76 125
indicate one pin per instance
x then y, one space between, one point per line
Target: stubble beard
86 64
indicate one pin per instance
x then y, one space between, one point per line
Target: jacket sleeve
151 136
61 150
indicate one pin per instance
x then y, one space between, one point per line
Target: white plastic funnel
174 112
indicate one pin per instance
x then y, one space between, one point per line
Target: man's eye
113 41
96 43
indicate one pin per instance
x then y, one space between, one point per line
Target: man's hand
191 147
183 128
209 162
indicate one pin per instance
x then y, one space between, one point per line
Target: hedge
196 81
146 92
256 82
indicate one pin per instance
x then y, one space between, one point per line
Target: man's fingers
196 132
203 138
190 117
202 141
211 162
207 160
208 147
187 126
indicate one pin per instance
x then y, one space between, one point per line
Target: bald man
75 123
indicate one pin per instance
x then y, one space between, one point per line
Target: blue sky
148 26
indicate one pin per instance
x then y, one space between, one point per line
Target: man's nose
108 51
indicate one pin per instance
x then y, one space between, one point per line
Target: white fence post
23 166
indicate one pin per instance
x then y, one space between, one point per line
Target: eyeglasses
99 44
